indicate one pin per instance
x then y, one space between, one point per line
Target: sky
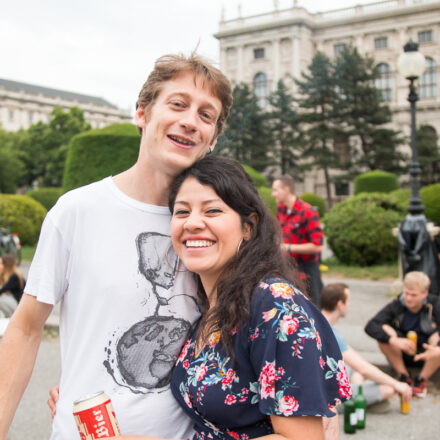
106 48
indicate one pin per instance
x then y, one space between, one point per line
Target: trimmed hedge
25 214
266 195
400 197
96 154
375 181
430 195
46 196
358 230
258 179
317 201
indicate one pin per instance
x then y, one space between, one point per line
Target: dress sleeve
294 354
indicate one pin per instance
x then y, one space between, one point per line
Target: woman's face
205 231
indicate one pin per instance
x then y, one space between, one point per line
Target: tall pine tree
317 104
428 154
247 137
284 125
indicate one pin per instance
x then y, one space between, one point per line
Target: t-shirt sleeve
294 354
340 340
47 277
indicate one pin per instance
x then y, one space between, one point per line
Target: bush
358 230
316 201
25 214
266 195
400 197
430 195
96 154
375 181
258 179
46 196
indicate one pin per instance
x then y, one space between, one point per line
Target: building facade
22 105
280 44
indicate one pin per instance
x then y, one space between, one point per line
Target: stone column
276 62
240 62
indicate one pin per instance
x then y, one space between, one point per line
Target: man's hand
404 390
54 394
432 352
403 344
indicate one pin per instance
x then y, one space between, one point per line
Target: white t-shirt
127 304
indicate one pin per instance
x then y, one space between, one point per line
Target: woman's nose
194 221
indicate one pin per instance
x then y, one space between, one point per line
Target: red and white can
95 417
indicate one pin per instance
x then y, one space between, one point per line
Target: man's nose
189 119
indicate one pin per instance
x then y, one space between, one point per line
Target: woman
262 354
12 283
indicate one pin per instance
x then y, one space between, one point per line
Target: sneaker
405 378
420 387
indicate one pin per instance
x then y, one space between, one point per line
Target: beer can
95 417
404 406
412 336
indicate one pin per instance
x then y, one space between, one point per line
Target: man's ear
213 143
140 118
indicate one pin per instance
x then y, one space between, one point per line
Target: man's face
346 305
414 298
280 192
180 126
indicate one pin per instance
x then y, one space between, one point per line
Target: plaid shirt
301 225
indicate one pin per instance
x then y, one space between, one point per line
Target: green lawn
379 272
27 252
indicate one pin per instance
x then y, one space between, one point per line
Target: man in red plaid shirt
302 234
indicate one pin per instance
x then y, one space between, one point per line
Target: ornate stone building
264 48
22 105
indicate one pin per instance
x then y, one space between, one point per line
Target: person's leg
314 282
394 357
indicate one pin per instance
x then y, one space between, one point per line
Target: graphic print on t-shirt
142 357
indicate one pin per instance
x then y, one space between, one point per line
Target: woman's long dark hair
257 259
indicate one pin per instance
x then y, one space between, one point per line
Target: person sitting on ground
12 283
377 386
413 310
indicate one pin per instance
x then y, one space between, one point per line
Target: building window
30 117
261 89
342 189
428 81
425 36
11 115
381 43
339 48
383 81
259 53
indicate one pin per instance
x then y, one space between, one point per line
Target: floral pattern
287 363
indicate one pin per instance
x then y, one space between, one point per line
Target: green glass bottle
361 408
350 420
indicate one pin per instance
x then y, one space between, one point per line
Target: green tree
317 103
247 137
428 155
11 166
363 115
45 147
284 124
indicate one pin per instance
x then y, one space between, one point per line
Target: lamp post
411 64
417 250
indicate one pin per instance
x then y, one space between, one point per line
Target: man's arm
370 371
18 351
374 327
303 248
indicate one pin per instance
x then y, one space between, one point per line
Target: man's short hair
169 66
331 294
416 280
288 181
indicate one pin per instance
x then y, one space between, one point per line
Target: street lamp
411 64
417 250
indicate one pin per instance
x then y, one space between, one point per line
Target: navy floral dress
287 364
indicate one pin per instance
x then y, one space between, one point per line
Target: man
105 253
302 234
376 385
413 310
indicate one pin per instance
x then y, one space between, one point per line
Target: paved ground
32 420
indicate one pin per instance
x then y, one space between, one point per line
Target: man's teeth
181 140
199 243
